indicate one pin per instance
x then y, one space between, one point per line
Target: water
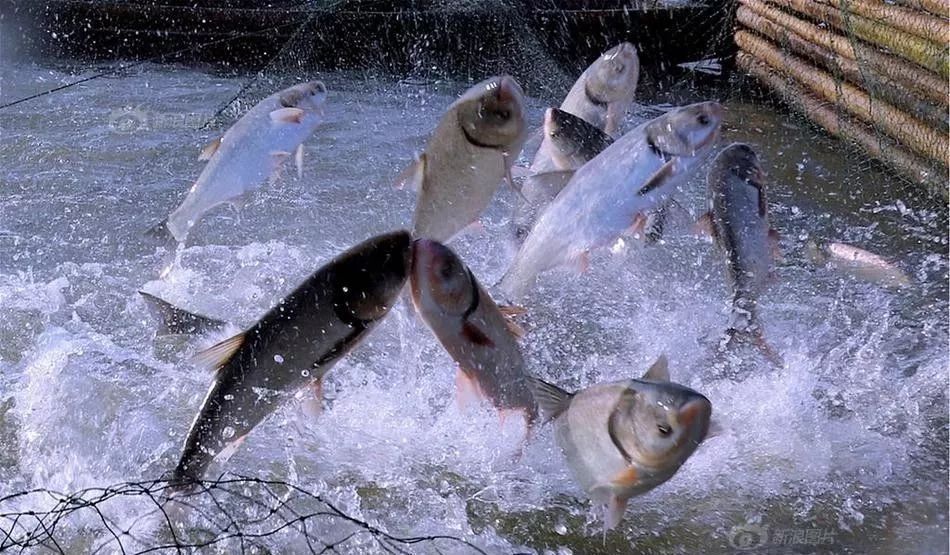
842 450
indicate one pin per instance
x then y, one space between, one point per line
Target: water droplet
229 397
278 359
305 373
227 433
560 529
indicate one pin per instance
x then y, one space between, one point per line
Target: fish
738 221
601 97
624 438
469 154
292 346
574 142
174 320
606 195
475 331
252 150
859 263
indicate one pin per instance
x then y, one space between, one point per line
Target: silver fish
624 438
859 263
251 150
468 155
604 197
471 327
738 220
292 346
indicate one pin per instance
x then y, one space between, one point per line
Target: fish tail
753 336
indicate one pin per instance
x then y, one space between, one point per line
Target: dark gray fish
293 346
472 328
738 221
174 320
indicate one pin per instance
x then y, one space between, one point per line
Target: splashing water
842 449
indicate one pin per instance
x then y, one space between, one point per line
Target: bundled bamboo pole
925 83
918 23
936 7
907 130
920 51
878 86
933 177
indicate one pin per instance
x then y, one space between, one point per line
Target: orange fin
313 405
466 388
298 160
626 478
208 151
510 312
286 115
639 222
704 226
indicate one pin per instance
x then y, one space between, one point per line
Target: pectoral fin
216 356
413 176
613 514
208 151
704 227
277 159
658 179
510 312
775 247
287 115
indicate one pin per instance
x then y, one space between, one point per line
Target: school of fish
589 184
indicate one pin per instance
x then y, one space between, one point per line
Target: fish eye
619 68
703 119
664 429
447 269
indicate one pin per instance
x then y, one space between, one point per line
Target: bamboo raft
872 73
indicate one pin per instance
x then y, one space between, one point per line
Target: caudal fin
174 320
733 338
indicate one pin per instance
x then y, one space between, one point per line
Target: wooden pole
920 51
918 23
908 130
937 7
880 147
914 78
877 85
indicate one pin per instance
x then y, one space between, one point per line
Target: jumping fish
174 320
468 155
471 327
253 149
292 346
624 438
739 224
859 263
604 197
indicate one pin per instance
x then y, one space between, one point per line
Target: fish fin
757 339
775 247
230 449
582 263
510 312
659 371
613 513
552 400
626 478
510 179
466 388
704 227
413 176
658 178
476 227
313 404
286 115
552 181
277 159
174 320
639 223
715 430
218 355
208 151
471 332
298 160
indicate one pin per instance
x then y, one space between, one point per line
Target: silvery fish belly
293 346
605 195
468 155
251 151
471 328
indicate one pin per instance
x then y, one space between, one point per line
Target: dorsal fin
413 176
552 399
216 356
658 371
208 151
510 312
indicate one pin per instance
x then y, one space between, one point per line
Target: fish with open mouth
624 438
293 346
473 329
468 155
605 196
